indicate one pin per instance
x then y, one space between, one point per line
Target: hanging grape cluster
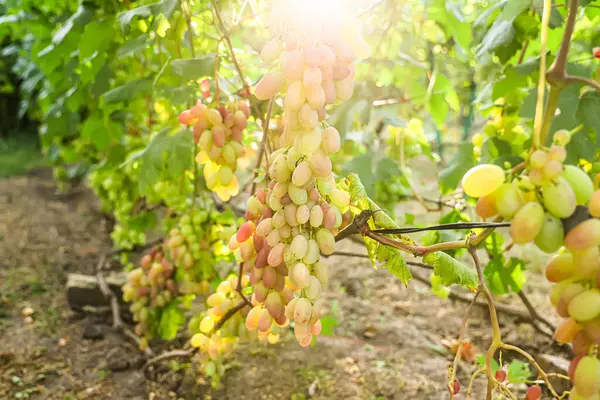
294 219
216 344
543 205
183 264
219 133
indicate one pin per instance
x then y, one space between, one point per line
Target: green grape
301 174
509 200
299 247
538 159
587 376
482 180
272 50
527 223
559 199
580 182
326 241
585 306
551 236
313 291
562 137
312 252
298 195
295 96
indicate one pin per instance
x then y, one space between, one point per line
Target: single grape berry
455 386
533 393
596 52
501 375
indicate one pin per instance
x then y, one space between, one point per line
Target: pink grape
344 89
275 257
264 227
320 163
301 274
308 117
269 85
269 277
584 235
566 331
252 318
331 140
301 174
315 96
294 65
557 153
302 311
538 159
312 76
330 91
527 223
561 267
265 320
274 304
295 97
552 169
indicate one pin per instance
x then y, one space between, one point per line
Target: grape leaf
102 133
518 372
362 165
128 91
451 271
481 361
587 112
165 7
171 319
502 275
133 46
193 68
461 162
95 38
328 325
513 9
81 17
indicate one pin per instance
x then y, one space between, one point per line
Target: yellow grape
300 274
215 299
482 180
269 85
308 117
584 235
594 205
290 211
315 96
289 309
281 171
566 331
274 304
557 291
326 241
302 311
312 76
562 137
508 200
295 96
575 395
199 340
312 252
225 175
551 236
313 291
486 206
206 324
316 216
309 141
293 65
275 257
330 91
580 182
559 198
339 198
320 163
587 261
538 159
265 320
303 214
585 306
302 174
561 267
587 376
552 169
527 223
280 189
299 247
557 153
272 50
214 116
298 195
331 140
264 227
344 89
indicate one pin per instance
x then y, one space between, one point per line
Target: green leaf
328 325
165 7
128 91
96 37
502 275
102 133
166 155
394 262
133 46
438 288
451 271
461 162
518 372
81 17
362 165
172 318
440 96
483 18
588 112
193 68
501 33
513 9
481 361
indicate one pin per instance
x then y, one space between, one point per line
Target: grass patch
19 154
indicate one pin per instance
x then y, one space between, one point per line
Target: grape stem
263 145
461 335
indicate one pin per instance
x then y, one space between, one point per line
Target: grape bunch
183 264
543 205
117 190
219 132
214 345
294 219
150 288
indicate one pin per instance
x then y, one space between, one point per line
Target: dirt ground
389 343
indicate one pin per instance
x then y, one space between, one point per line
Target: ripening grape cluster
183 264
294 219
219 132
150 287
214 345
539 204
118 192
